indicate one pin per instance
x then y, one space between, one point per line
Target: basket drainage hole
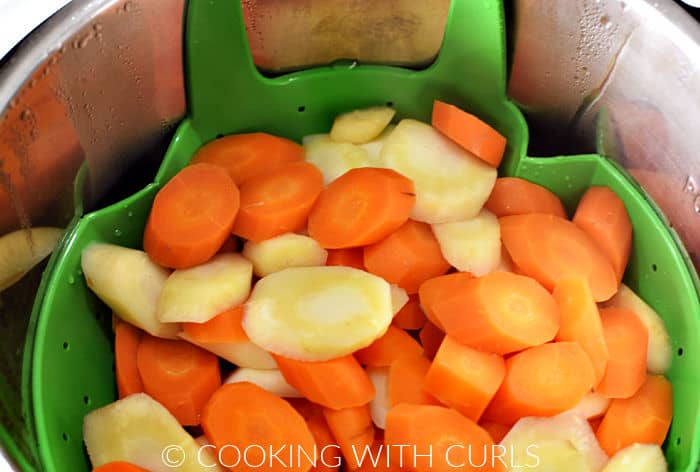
86 400
653 267
680 352
66 345
390 104
65 437
678 441
301 109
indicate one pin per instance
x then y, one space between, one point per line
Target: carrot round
126 343
542 381
179 375
643 418
245 416
500 312
353 431
411 315
361 207
350 257
247 155
277 201
225 327
602 215
406 381
516 196
456 442
469 132
337 383
463 378
430 338
433 290
119 466
627 340
549 248
385 350
191 217
407 257
580 321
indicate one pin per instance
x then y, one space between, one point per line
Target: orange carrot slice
411 315
225 327
407 379
191 217
353 431
516 196
126 343
350 257
436 289
385 350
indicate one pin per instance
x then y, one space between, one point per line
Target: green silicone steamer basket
69 364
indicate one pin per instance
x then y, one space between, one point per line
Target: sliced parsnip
271 380
638 458
399 298
379 406
562 442
281 252
472 245
317 313
361 126
450 184
659 351
138 429
374 147
242 354
334 159
23 249
129 283
198 294
592 405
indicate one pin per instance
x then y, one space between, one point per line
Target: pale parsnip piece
562 442
129 283
638 458
450 184
242 354
379 406
317 313
472 245
361 126
281 252
334 159
592 405
399 298
659 351
271 380
374 147
23 249
137 429
200 293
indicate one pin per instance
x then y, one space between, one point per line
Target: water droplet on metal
71 279
691 186
130 214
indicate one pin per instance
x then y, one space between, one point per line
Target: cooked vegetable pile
377 299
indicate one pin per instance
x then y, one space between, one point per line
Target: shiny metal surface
626 71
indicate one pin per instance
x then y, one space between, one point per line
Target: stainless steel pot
101 83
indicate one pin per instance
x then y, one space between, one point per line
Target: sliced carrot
119 466
353 431
407 257
225 327
191 217
433 290
411 316
542 381
244 416
469 132
643 418
248 155
350 257
328 457
602 215
179 375
431 337
627 340
463 378
126 344
500 312
385 350
549 248
361 207
580 321
516 196
455 442
407 379
497 431
337 383
277 201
